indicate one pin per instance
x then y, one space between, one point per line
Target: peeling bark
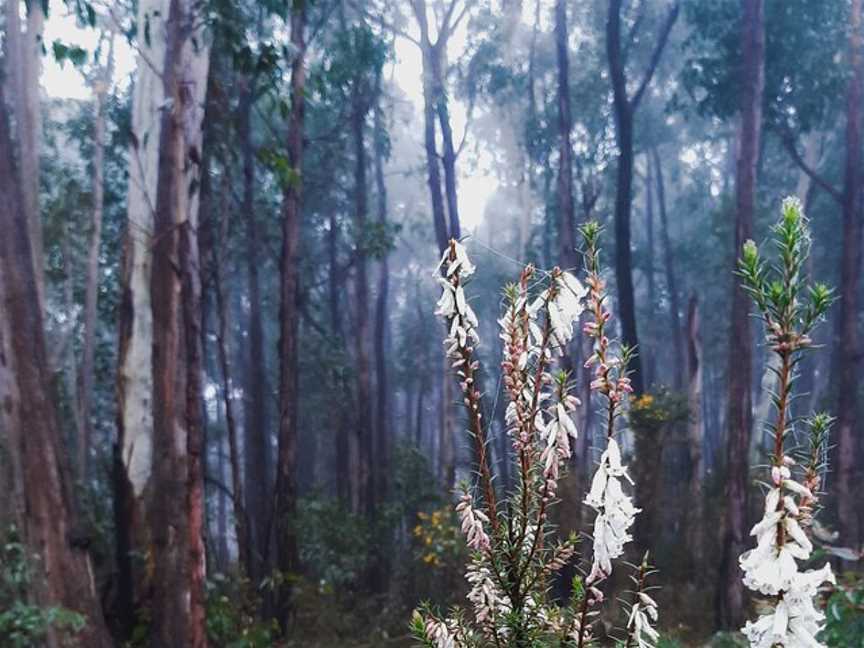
177 513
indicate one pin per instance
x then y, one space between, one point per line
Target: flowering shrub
790 310
437 534
513 555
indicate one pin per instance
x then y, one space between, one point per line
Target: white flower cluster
452 305
441 633
488 600
615 512
642 614
557 434
771 568
473 521
795 621
565 305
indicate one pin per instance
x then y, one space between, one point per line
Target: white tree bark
135 364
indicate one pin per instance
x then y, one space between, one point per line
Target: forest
442 323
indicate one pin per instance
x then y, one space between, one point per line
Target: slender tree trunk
287 559
623 191
447 447
344 481
363 425
257 436
433 170
648 353
241 521
695 434
625 108
671 281
382 316
30 421
568 257
85 388
848 359
740 411
448 157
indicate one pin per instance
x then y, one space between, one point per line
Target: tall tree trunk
568 257
382 317
625 108
23 54
135 337
338 418
177 514
30 422
623 191
363 425
848 357
257 429
91 294
241 520
648 353
740 410
448 157
287 559
433 170
671 282
695 434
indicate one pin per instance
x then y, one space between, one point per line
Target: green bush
232 605
844 623
23 624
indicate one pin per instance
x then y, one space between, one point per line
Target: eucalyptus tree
626 106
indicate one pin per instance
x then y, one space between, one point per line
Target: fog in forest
443 323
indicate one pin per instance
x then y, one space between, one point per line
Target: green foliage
64 52
778 289
23 624
335 544
232 622
802 78
728 640
844 622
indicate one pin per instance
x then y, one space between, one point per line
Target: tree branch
658 52
788 140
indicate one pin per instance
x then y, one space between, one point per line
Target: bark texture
23 54
177 514
134 374
30 421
